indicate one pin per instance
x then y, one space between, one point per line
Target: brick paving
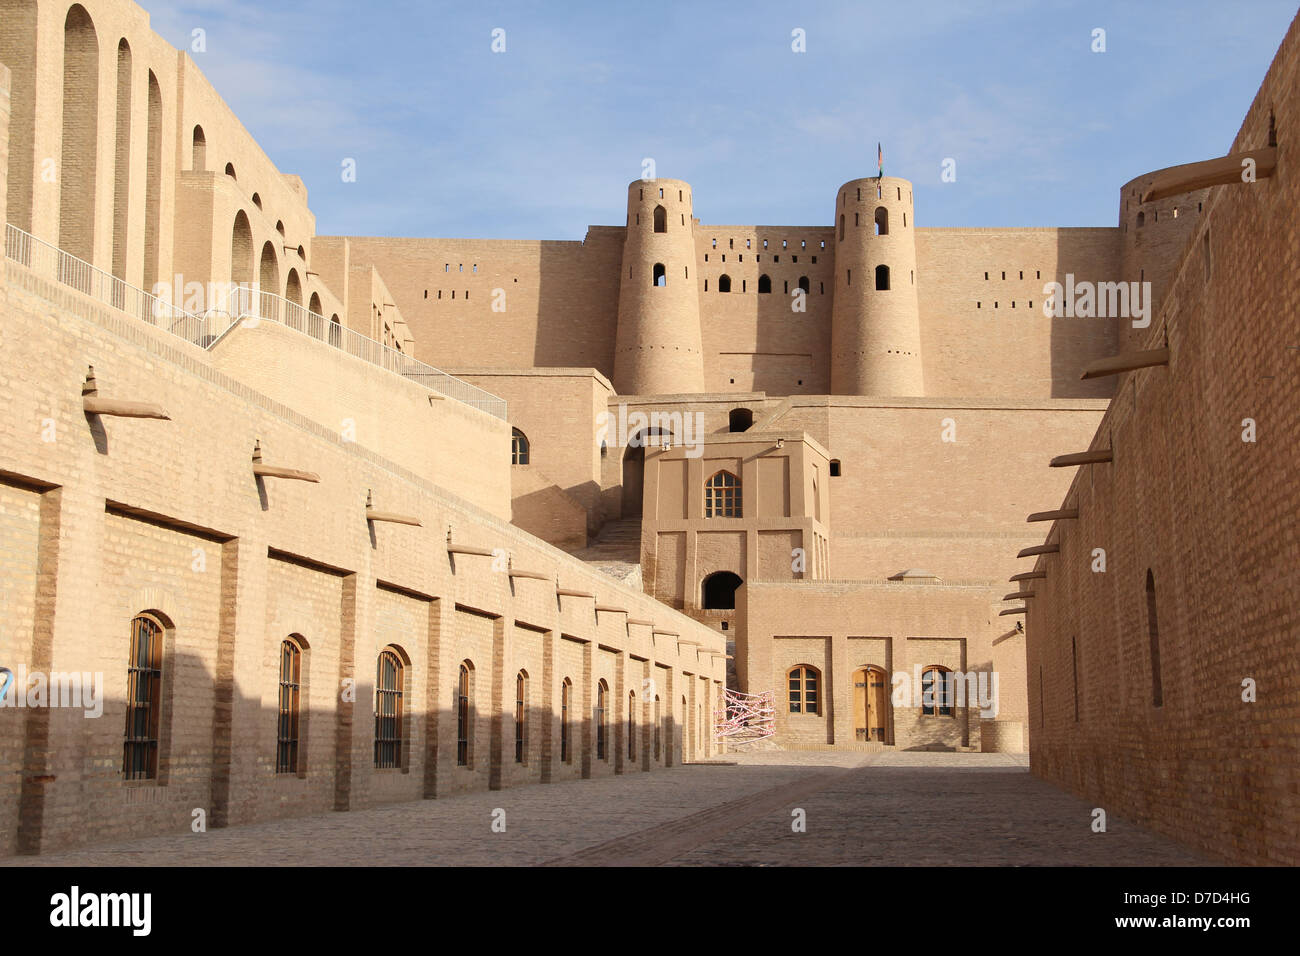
884 808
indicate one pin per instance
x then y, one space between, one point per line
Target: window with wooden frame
803 683
631 725
938 692
601 689
657 725
388 710
286 732
143 699
519 447
566 691
521 716
722 497
463 688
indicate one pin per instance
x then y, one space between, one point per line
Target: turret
875 322
658 349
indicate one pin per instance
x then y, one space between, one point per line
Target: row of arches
264 269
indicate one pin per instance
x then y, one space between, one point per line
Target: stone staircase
617 551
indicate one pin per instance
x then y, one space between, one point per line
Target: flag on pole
880 161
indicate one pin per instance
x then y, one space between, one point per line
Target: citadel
554 510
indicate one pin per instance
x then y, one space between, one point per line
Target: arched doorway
634 468
870 705
718 591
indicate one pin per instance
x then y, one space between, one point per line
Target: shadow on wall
577 301
1077 341
197 773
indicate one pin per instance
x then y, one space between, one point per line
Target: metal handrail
246 302
51 262
243 302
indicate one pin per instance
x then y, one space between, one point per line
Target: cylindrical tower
657 350
875 322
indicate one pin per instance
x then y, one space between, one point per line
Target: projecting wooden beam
1012 610
1017 595
1081 458
659 633
1028 575
272 471
567 592
1054 515
1039 549
633 620
119 408
692 643
1219 171
612 610
466 549
535 575
1125 362
390 517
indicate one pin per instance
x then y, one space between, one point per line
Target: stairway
617 551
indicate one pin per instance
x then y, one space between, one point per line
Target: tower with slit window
658 349
875 321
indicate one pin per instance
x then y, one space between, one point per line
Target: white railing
51 262
246 302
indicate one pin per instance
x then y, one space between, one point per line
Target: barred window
601 688
802 683
462 715
286 735
631 725
938 692
566 690
143 699
657 724
521 716
388 711
722 496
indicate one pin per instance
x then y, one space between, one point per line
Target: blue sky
451 139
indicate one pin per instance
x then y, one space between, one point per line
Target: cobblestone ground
891 808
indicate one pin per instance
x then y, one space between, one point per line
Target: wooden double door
870 705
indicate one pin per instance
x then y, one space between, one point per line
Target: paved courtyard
891 808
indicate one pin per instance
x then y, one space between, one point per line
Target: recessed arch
520 448
938 692
314 305
122 162
390 686
230 171
764 284
659 277
241 251
80 142
882 278
740 419
198 149
882 221
257 200
279 226
724 283
153 150
293 288
661 219
718 591
268 269
805 284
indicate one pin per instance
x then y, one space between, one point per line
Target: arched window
464 686
1153 630
521 717
722 496
601 689
882 221
938 692
257 200
241 251
631 725
199 151
286 736
658 746
143 699
882 278
803 688
718 591
293 288
279 227
566 691
388 710
314 305
740 420
660 278
724 283
764 284
230 171
661 219
804 284
518 447
841 227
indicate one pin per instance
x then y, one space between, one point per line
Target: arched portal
718 591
